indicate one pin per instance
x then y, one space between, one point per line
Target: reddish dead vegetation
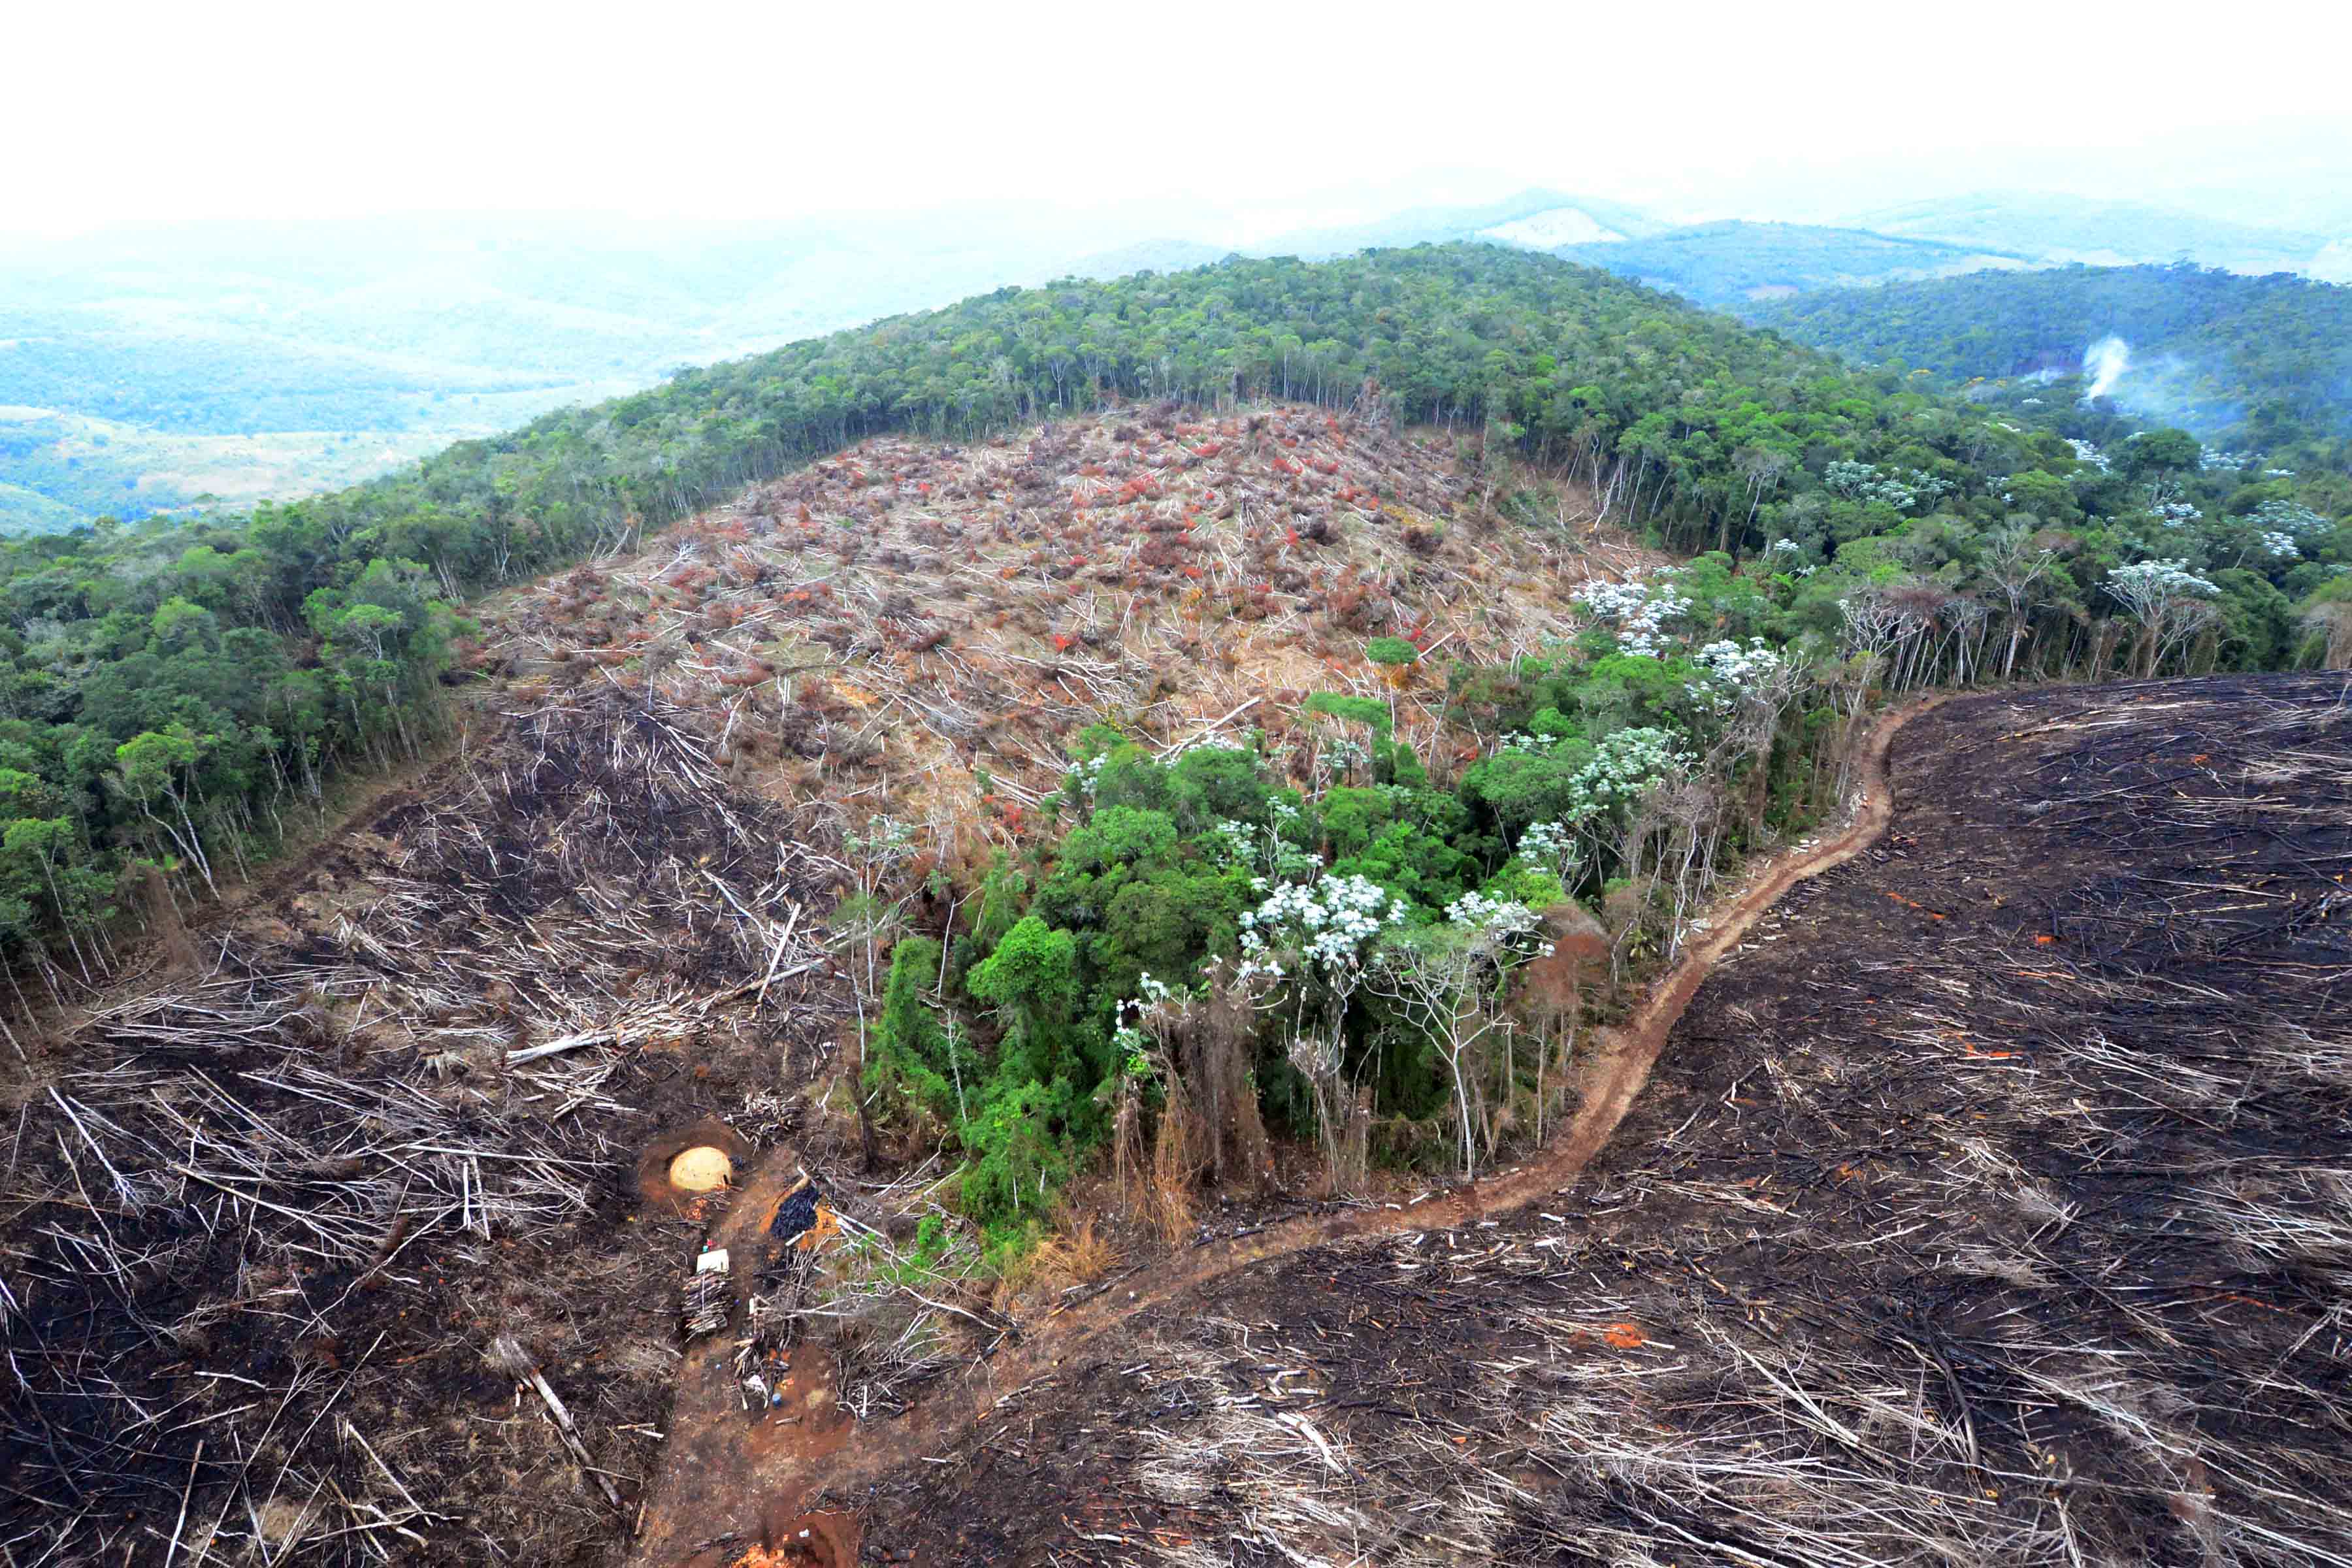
898 621
2019 1235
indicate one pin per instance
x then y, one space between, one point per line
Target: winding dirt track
725 1478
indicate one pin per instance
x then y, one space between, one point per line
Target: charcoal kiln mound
701 1161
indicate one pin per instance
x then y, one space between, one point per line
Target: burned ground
1993 1204
266 1219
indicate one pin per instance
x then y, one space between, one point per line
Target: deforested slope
269 1207
273 1198
920 625
313 638
1053 678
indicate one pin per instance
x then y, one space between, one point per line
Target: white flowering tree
1303 951
1747 685
2170 603
1751 688
1274 852
1638 613
1549 847
1626 765
1865 483
1450 982
1145 1021
2295 519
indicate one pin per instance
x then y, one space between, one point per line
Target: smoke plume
2105 363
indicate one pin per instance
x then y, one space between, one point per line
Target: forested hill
168 690
158 368
1564 361
2261 362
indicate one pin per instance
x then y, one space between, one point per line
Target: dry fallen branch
509 1356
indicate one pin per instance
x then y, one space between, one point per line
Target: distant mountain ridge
1731 262
394 337
254 360
1494 221
1148 256
1531 220
2096 232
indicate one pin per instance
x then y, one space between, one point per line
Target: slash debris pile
266 1227
1996 1208
921 626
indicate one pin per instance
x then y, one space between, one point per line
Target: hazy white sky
1248 115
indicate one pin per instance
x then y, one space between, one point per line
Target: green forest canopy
2257 363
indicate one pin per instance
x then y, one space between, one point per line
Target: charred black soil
267 1218
1993 1204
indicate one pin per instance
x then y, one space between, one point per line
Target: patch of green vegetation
1173 877
29 512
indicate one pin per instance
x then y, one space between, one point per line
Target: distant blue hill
1521 220
2096 233
1733 263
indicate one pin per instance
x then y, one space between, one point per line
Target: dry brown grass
1164 1195
1075 1256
